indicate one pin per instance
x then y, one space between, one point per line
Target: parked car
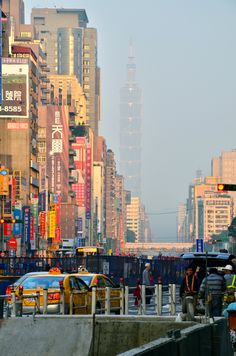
101 281
53 281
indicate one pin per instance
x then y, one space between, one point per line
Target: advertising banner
32 233
17 226
15 88
4 181
80 225
57 235
34 210
57 139
88 182
7 229
26 225
13 191
58 211
42 201
42 224
52 222
80 163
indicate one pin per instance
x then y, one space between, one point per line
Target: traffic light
9 221
226 187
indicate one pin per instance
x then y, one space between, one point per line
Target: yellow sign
4 181
52 224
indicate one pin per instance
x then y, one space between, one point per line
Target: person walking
230 282
211 289
137 296
189 288
147 278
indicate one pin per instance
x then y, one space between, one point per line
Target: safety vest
233 283
189 289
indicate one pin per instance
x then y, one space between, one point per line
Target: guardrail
98 300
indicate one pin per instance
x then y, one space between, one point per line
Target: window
108 283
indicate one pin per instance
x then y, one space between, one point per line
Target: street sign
199 245
12 244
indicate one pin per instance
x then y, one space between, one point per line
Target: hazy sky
186 56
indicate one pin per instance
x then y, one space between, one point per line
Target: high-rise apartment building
130 130
71 49
133 217
214 213
181 228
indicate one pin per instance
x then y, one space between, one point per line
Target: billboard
15 88
57 141
80 162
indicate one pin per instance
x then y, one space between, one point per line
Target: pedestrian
189 288
212 289
230 282
137 296
147 279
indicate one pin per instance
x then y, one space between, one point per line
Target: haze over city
185 57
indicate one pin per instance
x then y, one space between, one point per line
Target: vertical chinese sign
58 146
88 182
26 226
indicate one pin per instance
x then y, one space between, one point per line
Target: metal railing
107 300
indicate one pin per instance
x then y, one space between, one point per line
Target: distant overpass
154 248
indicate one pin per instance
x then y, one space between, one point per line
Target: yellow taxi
54 281
101 281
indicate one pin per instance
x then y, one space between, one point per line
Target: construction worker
189 288
230 281
212 289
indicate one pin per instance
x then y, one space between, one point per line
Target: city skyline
188 80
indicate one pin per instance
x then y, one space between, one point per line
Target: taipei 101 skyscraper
130 129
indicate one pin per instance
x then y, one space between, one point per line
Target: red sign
57 235
7 229
12 244
31 227
42 224
58 211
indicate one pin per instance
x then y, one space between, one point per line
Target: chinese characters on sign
88 182
15 78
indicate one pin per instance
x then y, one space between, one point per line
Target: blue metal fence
164 270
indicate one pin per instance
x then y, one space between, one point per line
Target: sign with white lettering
15 93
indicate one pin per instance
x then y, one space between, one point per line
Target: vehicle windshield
86 279
22 278
42 282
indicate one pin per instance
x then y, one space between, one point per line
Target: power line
168 212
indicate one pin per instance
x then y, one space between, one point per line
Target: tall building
71 49
214 213
133 217
130 130
181 228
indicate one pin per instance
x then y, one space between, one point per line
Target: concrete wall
197 340
73 335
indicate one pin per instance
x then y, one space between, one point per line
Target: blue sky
185 55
